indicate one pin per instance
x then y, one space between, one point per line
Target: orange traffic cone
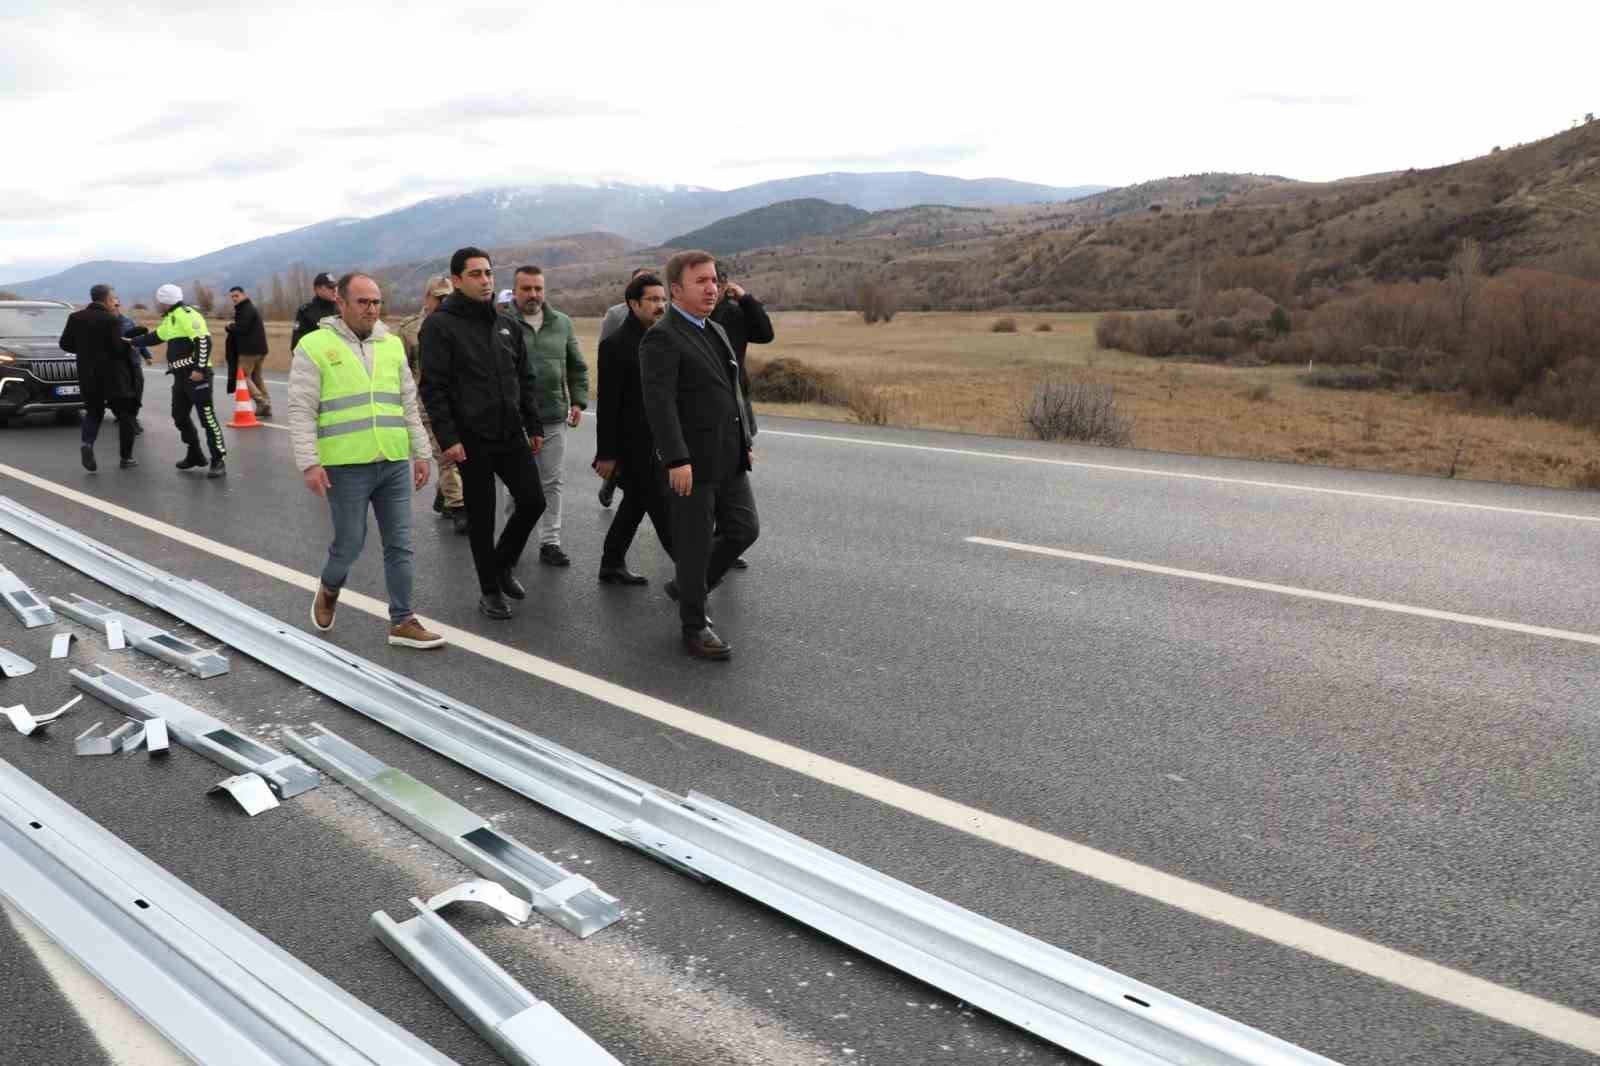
244 411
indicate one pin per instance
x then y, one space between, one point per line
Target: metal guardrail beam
214 987
570 900
157 643
1069 1000
198 731
14 665
24 603
525 1030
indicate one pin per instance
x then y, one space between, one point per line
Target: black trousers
711 527
190 395
514 465
94 413
644 492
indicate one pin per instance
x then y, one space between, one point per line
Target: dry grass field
948 371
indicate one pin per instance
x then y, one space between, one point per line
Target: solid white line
1149 472
1290 590
1543 1017
128 1040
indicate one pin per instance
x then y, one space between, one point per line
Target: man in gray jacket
562 380
348 378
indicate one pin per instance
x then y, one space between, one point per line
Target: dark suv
35 374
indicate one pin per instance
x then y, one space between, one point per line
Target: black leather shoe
86 453
738 564
706 645
552 555
190 461
495 606
129 463
621 575
218 469
459 517
511 586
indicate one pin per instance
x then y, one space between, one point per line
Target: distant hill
776 224
403 282
506 216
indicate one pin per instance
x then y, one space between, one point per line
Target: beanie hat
169 294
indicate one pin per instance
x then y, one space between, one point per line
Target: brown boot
411 634
323 605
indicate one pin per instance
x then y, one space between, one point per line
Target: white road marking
1183 476
128 1040
1291 590
1541 1016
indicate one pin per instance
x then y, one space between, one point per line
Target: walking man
481 398
615 316
624 449
562 379
188 340
322 304
746 322
447 498
249 336
356 429
704 432
105 375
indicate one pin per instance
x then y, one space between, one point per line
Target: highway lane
1410 781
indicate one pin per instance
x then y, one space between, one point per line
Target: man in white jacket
356 428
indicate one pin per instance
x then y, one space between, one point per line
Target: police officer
184 331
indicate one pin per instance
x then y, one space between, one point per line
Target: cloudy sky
161 130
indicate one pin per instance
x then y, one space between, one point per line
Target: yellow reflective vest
360 418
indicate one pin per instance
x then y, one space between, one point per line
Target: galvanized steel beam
27 606
214 987
1069 1000
157 643
14 665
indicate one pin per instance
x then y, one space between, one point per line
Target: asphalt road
1421 782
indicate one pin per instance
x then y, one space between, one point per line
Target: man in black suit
704 431
105 375
624 450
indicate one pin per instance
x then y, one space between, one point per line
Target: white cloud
283 115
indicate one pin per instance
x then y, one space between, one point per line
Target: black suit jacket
94 335
623 431
697 412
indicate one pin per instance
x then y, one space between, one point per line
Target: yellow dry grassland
950 371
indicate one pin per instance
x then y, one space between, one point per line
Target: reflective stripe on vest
360 418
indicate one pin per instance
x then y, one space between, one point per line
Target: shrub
1258 393
1156 335
875 302
1278 321
1003 325
1063 409
868 405
791 381
1354 378
1043 327
1114 330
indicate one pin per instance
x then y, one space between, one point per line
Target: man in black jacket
624 449
483 405
105 374
311 313
704 431
248 336
746 322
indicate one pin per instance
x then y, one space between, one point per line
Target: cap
505 296
169 294
438 285
324 280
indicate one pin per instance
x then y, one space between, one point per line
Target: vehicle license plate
66 390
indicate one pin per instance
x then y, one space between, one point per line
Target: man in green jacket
563 385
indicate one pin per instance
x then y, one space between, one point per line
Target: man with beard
615 316
482 401
704 431
105 375
624 449
247 334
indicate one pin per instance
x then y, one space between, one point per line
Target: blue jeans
387 487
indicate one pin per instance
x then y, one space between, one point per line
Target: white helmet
169 294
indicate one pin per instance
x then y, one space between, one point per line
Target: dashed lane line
1543 1017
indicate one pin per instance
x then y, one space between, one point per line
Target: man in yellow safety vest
358 440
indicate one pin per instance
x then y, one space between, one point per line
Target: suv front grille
54 369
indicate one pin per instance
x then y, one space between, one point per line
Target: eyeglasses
368 303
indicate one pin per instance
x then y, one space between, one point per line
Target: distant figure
624 450
249 336
562 379
311 313
447 499
615 316
105 376
503 301
704 432
356 429
746 322
184 331
482 400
